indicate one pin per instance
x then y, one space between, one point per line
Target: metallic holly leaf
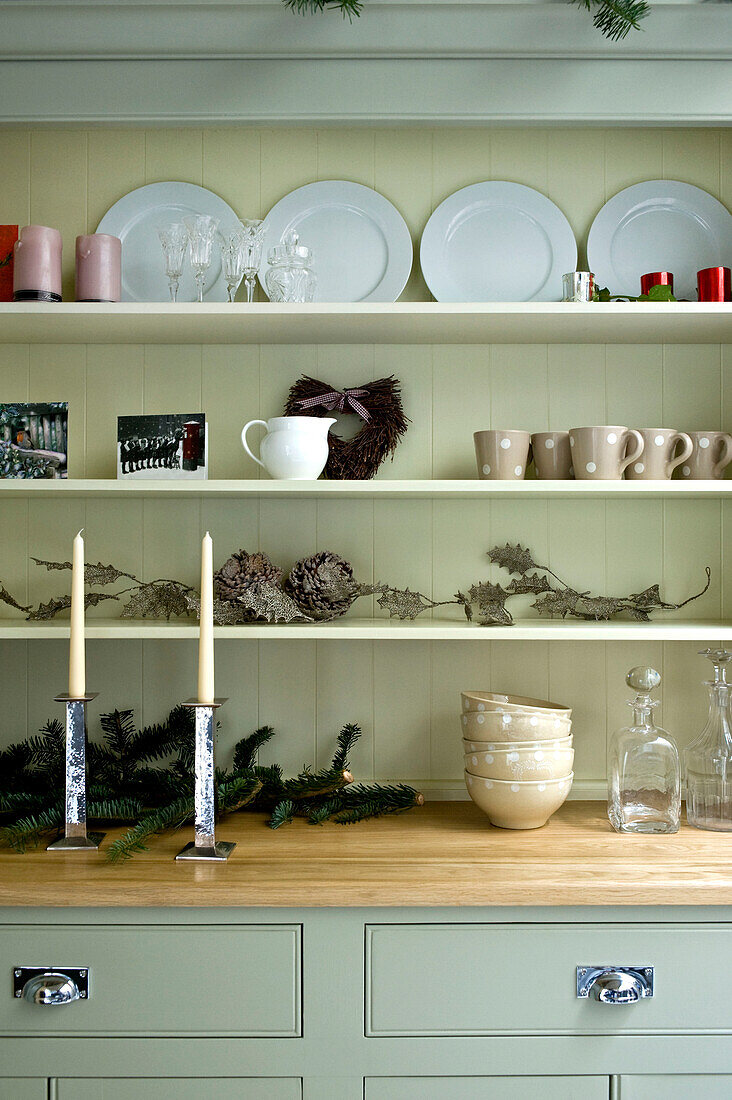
529 585
224 612
49 610
650 597
514 559
10 600
268 601
93 574
157 600
403 604
557 604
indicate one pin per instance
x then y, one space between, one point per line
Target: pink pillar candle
37 265
98 268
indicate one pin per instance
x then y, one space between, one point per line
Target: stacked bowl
518 757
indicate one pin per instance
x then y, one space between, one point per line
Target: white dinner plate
135 220
660 225
497 242
362 250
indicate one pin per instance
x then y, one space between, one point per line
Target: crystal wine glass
201 232
254 232
174 242
232 258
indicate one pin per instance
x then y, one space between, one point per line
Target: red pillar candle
98 268
656 278
713 284
37 265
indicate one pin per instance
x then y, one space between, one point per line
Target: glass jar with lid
644 789
708 760
290 277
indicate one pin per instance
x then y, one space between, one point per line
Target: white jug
295 448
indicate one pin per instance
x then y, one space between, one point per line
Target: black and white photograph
162 446
34 439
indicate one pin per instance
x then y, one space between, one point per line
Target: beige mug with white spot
710 457
604 453
552 456
502 455
661 454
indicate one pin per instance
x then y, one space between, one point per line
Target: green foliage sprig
123 785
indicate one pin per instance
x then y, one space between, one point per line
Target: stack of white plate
518 757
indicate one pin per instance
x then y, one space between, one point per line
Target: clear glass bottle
644 789
290 278
708 760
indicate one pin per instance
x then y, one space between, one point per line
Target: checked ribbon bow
336 401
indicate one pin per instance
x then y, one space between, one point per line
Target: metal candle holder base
205 846
76 838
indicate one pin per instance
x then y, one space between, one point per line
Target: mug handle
640 444
726 456
244 443
681 437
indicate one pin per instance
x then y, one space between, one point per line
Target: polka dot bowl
515 725
518 805
521 764
506 746
485 702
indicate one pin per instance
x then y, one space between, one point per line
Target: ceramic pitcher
295 448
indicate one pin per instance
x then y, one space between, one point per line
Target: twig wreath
379 404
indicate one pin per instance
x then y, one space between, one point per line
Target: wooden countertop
444 853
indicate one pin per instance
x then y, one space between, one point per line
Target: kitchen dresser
427 955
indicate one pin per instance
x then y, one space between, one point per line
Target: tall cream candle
205 637
77 659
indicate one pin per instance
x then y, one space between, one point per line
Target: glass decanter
644 789
708 760
290 277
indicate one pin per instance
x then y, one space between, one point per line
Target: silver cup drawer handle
615 985
46 986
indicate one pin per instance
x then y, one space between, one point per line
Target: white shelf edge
352 629
415 488
365 322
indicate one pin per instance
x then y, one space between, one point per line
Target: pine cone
243 572
322 585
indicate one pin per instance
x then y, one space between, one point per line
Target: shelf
362 490
352 629
366 323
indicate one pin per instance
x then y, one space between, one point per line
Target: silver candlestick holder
75 836
205 846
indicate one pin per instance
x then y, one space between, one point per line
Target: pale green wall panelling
308 689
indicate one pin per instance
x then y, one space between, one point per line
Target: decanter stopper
720 658
643 679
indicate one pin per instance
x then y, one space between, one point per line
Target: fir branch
245 751
27 831
374 801
348 8
282 814
616 18
316 784
347 738
237 793
165 817
114 809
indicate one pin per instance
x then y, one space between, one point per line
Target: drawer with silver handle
546 978
51 986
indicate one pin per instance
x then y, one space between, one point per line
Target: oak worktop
445 853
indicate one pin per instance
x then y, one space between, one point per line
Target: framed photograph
34 439
162 446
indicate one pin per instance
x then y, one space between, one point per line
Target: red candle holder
656 278
714 284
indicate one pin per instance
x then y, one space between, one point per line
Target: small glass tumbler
232 259
174 242
201 233
254 232
579 286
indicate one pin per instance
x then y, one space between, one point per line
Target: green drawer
23 1088
179 1088
487 1088
145 980
483 979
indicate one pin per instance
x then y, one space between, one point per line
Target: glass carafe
290 278
708 760
644 790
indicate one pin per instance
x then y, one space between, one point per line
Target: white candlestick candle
205 636
77 656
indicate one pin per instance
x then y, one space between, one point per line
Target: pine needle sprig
245 751
236 793
374 801
616 18
135 840
282 814
316 784
26 832
349 8
115 809
347 738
